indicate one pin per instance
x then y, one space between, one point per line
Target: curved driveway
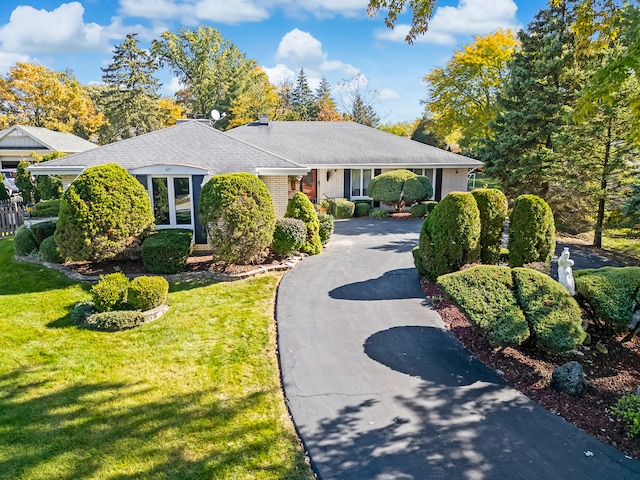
379 390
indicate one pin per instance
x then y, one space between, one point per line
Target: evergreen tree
325 105
543 83
130 101
302 99
363 112
425 133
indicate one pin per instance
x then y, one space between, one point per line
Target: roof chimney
263 120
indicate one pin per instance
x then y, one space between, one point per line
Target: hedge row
512 305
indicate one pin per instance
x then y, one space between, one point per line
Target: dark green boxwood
326 227
363 209
485 294
23 242
115 320
553 315
49 250
146 293
417 261
43 230
102 215
344 209
300 207
611 292
627 409
493 207
288 236
379 213
167 250
47 208
110 293
531 231
238 214
422 209
450 236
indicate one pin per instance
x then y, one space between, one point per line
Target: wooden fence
12 215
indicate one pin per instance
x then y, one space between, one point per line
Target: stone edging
173 278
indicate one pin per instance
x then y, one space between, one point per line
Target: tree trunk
597 237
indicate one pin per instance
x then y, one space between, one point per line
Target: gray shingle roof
188 143
55 141
316 144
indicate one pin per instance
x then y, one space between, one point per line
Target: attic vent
263 120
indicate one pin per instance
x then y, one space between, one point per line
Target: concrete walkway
379 390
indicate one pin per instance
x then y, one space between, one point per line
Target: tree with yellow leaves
261 98
36 96
463 95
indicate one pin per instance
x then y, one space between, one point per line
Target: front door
309 184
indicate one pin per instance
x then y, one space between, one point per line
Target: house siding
332 188
278 187
452 181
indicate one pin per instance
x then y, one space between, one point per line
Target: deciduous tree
421 13
260 99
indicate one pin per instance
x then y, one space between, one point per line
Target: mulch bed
609 376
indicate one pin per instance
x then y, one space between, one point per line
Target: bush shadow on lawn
86 429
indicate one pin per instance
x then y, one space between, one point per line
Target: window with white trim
360 178
172 201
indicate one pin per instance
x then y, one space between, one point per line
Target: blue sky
331 38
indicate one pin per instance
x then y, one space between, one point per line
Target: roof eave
279 172
43 169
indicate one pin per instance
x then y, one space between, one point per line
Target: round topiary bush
531 231
344 209
23 242
167 250
289 235
493 206
399 188
422 209
43 230
450 236
110 293
239 217
49 250
326 227
102 215
362 208
300 207
146 293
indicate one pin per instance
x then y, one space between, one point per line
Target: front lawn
623 240
194 394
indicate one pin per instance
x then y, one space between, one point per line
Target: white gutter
44 169
273 172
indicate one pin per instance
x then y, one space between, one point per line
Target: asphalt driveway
378 389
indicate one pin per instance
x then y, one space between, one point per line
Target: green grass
194 394
623 240
482 180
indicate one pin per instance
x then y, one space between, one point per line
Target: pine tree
302 99
542 84
130 101
364 113
325 105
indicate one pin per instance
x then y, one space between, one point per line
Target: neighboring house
19 141
344 156
174 163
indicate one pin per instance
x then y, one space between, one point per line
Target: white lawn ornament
565 275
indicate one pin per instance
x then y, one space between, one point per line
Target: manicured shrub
326 227
399 188
43 230
49 250
531 231
552 313
116 320
485 294
102 215
23 242
379 213
422 209
289 235
450 236
300 207
363 209
237 211
344 209
493 206
417 261
611 293
110 293
47 208
628 410
167 250
81 311
146 293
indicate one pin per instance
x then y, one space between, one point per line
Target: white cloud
230 12
153 8
280 74
173 86
470 17
303 50
387 94
8 60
